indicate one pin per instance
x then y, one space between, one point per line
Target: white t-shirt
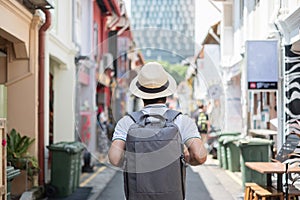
187 126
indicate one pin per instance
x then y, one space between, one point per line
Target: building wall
84 29
259 108
277 20
242 21
289 27
21 80
86 66
60 55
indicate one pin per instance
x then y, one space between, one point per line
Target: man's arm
197 153
116 152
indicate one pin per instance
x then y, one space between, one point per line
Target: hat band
152 90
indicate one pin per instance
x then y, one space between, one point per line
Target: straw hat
153 82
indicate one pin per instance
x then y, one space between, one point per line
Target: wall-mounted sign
262 64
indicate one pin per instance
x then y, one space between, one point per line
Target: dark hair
201 106
157 100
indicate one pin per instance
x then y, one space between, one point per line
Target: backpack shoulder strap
171 115
136 116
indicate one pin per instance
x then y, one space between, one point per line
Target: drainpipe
41 112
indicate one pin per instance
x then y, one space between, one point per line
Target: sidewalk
98 180
220 183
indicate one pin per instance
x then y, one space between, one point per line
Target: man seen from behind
153 85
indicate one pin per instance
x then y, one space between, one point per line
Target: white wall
62 50
64 97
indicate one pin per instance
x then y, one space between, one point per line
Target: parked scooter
212 141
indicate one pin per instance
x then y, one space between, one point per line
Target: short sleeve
122 128
187 127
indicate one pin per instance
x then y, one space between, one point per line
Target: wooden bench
248 195
255 191
293 192
264 193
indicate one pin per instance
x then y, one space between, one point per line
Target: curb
98 180
234 175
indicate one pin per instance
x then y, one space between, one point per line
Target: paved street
207 182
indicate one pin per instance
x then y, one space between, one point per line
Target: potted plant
18 157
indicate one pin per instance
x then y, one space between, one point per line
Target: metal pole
280 90
286 182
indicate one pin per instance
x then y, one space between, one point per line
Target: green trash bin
11 173
232 153
78 156
64 156
254 150
221 151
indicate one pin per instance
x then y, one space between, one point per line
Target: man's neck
158 103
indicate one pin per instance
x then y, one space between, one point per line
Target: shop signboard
262 64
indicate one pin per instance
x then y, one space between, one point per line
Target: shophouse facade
105 15
204 74
208 84
102 72
19 68
60 57
21 56
86 66
59 78
54 68
265 105
244 23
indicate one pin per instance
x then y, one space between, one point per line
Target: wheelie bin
64 169
221 152
254 150
78 158
232 153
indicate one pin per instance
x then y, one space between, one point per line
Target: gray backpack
154 167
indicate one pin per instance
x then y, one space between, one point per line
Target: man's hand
186 154
197 152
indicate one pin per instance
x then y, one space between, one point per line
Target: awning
213 35
231 66
230 61
120 21
289 25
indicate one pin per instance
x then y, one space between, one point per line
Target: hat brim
171 89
